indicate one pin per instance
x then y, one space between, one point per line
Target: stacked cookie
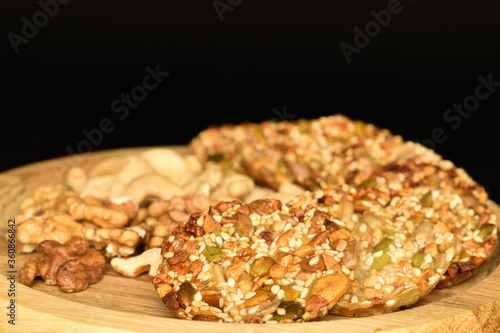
381 223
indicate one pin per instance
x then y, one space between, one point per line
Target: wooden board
119 304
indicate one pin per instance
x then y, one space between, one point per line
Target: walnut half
72 266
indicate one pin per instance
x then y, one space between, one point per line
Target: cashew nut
168 163
98 187
135 266
107 167
151 185
133 167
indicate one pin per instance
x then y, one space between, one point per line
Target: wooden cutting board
119 304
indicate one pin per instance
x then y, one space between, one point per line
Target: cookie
256 263
404 248
473 224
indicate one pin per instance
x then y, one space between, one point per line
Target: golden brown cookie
256 263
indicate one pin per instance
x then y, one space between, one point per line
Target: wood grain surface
119 304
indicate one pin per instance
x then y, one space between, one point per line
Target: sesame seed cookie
404 248
473 225
256 263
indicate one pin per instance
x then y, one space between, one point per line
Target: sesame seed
301 301
258 255
450 253
267 317
275 289
281 311
197 304
230 282
319 252
197 296
434 278
228 308
253 309
478 239
314 261
369 261
428 258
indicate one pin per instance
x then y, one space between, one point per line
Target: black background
262 56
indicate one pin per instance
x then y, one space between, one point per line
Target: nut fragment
45 198
115 242
102 216
55 226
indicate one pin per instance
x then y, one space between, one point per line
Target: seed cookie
256 263
314 154
459 200
404 247
268 151
473 224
